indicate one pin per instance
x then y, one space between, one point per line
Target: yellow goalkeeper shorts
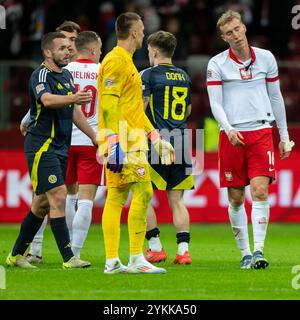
136 170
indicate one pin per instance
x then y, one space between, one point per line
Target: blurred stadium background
269 25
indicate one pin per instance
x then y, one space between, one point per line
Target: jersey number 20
178 103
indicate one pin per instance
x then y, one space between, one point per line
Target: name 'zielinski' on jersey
85 73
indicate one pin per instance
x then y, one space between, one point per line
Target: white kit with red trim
244 91
85 74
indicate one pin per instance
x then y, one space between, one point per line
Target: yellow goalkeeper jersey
119 77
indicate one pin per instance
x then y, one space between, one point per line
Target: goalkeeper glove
164 149
116 156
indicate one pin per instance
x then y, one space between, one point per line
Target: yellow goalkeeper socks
116 198
141 196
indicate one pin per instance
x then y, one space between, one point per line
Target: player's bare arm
54 101
145 101
82 124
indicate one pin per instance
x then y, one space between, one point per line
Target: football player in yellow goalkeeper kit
122 132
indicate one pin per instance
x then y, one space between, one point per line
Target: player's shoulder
66 72
113 61
260 52
219 58
40 74
114 56
71 66
145 73
180 70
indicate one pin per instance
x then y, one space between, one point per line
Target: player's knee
147 195
142 197
116 199
175 203
43 209
260 193
59 199
236 201
236 197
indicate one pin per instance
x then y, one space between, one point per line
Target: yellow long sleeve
148 125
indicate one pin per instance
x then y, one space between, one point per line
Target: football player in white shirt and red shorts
83 171
245 98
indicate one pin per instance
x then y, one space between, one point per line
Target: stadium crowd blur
192 21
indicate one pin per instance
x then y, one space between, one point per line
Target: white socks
239 226
260 218
37 242
182 248
81 225
70 211
155 244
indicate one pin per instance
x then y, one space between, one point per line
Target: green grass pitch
214 273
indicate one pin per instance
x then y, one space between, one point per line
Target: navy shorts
177 176
47 170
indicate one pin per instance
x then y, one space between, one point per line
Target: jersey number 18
178 103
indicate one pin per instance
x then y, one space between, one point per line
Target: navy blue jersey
49 129
169 89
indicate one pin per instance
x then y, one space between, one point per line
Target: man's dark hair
69 26
124 23
47 39
85 38
164 41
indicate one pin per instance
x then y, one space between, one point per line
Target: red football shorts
83 166
238 165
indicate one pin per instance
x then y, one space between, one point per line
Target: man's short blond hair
228 16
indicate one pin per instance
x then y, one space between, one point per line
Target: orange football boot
155 256
183 259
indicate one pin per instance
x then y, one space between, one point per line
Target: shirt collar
84 61
47 67
234 58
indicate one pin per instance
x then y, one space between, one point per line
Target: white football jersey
85 73
245 95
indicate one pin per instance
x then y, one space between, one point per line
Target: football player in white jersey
245 97
82 165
